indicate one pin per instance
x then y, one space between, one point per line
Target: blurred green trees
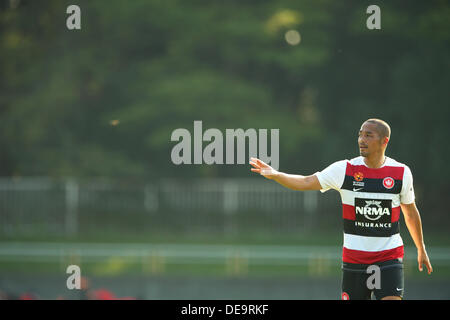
103 101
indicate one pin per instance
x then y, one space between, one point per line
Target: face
369 141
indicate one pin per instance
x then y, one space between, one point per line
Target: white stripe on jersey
372 244
359 161
348 197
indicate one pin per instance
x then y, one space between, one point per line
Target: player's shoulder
341 163
394 163
356 161
337 166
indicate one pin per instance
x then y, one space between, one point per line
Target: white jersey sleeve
407 194
332 177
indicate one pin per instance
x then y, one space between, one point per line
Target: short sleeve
407 194
332 177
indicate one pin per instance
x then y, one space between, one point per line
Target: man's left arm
414 224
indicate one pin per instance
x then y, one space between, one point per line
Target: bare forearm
293 181
414 224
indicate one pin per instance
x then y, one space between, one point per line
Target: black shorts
359 281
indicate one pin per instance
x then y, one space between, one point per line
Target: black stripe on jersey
374 230
371 185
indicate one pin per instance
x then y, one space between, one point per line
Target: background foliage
103 101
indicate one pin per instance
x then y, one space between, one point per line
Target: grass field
202 266
327 237
259 255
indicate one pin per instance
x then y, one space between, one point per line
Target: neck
375 161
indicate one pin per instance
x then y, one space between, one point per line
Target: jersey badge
388 182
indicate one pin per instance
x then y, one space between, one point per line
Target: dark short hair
382 128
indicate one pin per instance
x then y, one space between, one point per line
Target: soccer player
373 188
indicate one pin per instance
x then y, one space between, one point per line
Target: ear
386 140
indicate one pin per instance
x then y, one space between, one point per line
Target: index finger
260 162
254 164
429 267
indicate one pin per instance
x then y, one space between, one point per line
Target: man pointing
374 190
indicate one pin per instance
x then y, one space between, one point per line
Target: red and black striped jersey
371 201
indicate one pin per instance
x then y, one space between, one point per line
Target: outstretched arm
414 224
291 181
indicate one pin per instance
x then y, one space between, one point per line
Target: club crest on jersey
358 176
388 182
